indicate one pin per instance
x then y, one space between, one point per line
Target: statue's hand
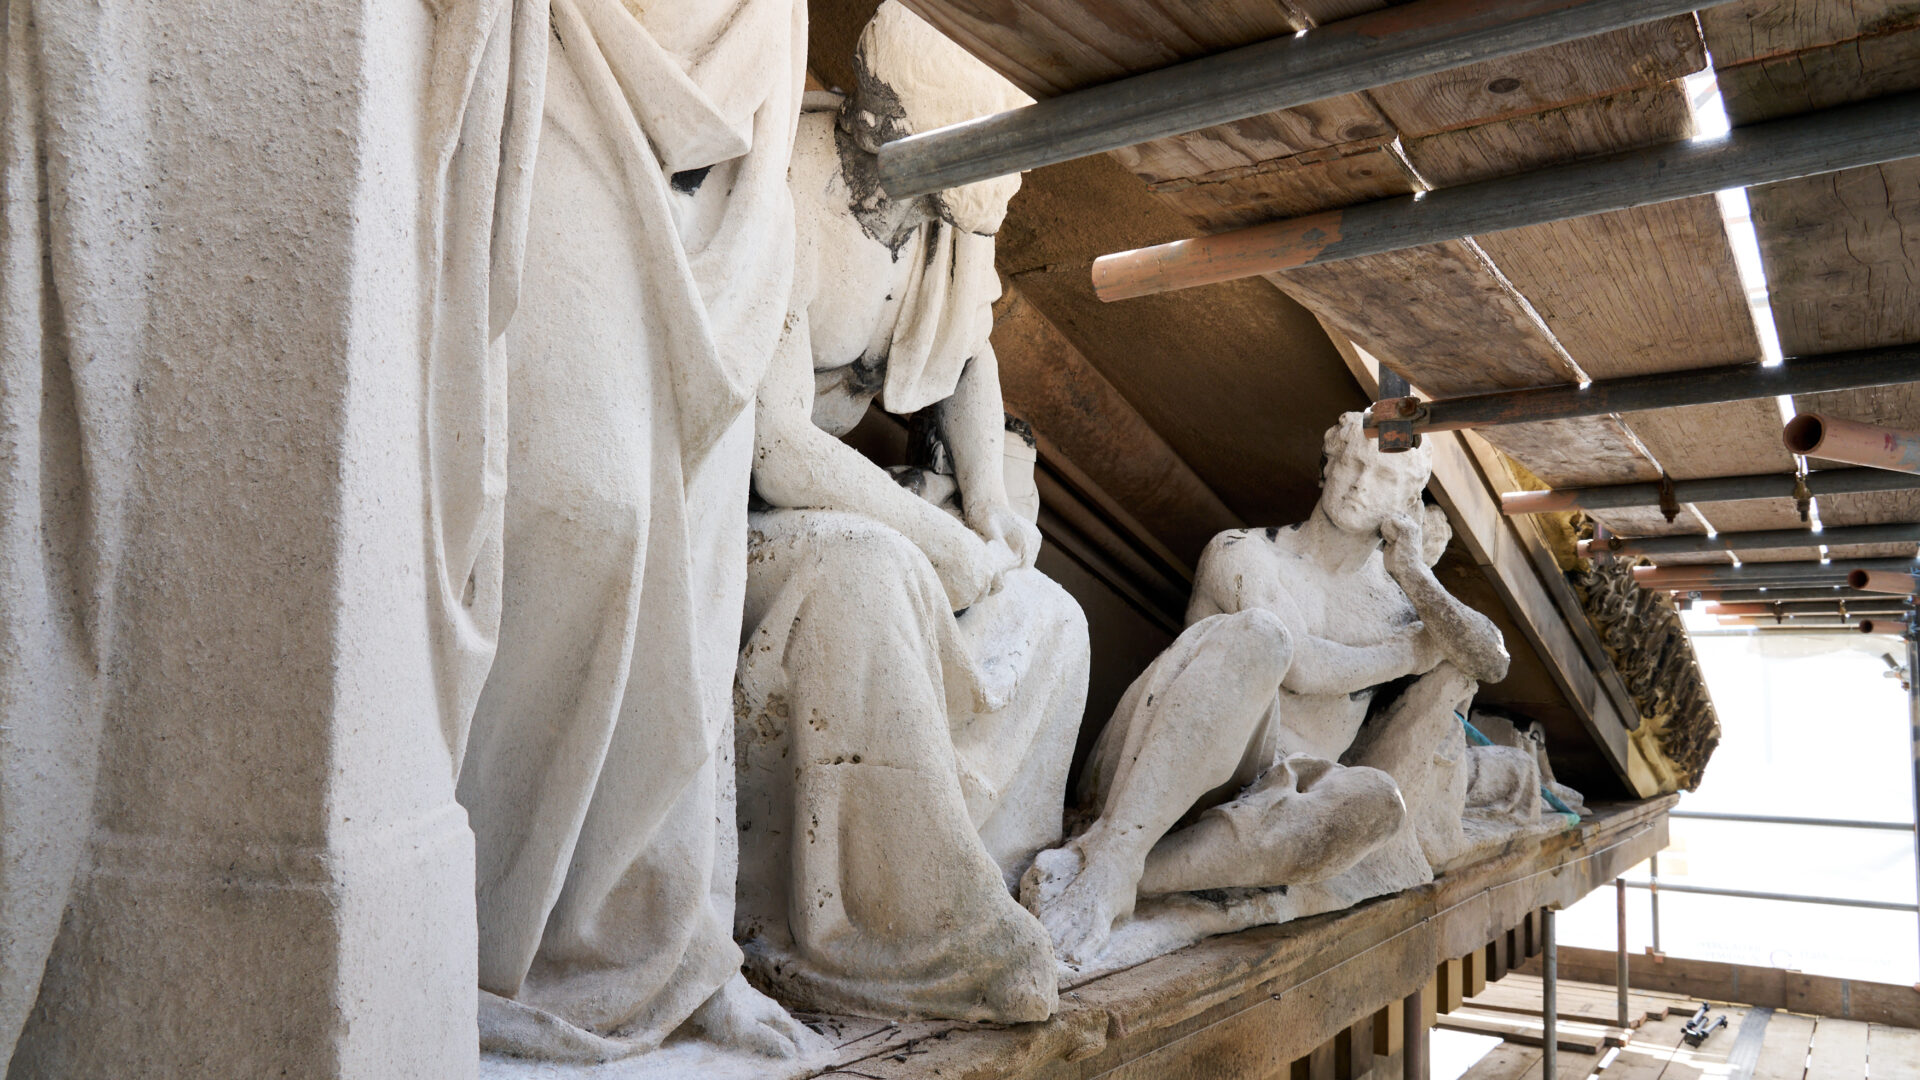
1022 537
1403 554
968 567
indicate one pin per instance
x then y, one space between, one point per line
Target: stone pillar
279 882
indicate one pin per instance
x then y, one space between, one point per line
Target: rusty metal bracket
1802 495
1669 502
1397 413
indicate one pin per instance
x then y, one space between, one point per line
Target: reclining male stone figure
1219 768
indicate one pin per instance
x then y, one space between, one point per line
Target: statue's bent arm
972 420
797 465
1230 581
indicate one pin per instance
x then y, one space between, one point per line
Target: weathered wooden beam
1709 489
1705 386
1868 133
1781 573
1758 540
1348 56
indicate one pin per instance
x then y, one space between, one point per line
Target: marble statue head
1360 487
913 78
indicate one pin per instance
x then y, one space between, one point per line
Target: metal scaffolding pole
1913 742
1758 540
1620 956
1829 140
1549 994
1709 489
1413 1026
1345 57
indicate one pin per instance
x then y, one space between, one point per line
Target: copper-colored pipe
1881 581
1724 575
1855 443
1789 620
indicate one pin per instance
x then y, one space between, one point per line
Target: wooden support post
1516 947
1353 1051
1317 1065
1473 968
1828 140
1757 540
1532 926
1711 489
1344 57
1389 1031
1450 978
1429 1006
1497 957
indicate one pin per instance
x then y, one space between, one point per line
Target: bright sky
1810 727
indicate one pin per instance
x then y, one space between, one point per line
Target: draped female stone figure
910 686
590 446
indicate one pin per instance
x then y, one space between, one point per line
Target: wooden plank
1508 1061
1048 47
1783 1052
1246 195
1256 140
1634 292
1842 254
1517 1030
1641 116
1892 1051
1496 958
1757 29
1814 76
1723 439
1839 1050
1703 980
1544 79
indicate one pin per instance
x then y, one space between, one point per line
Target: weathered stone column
278 882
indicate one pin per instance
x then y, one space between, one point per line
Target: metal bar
1913 744
1620 953
1767 819
1767 631
1781 573
1653 896
1827 593
1792 620
1342 58
1757 540
1835 439
1865 605
1549 994
1796 375
1791 898
1413 1027
1868 133
1711 489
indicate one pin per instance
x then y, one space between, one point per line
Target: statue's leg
1304 821
1419 742
1185 734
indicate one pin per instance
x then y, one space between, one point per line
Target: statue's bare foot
1078 899
739 1016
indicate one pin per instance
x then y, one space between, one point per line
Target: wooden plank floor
1793 1047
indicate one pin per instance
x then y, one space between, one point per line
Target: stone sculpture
596 772
1301 732
910 686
